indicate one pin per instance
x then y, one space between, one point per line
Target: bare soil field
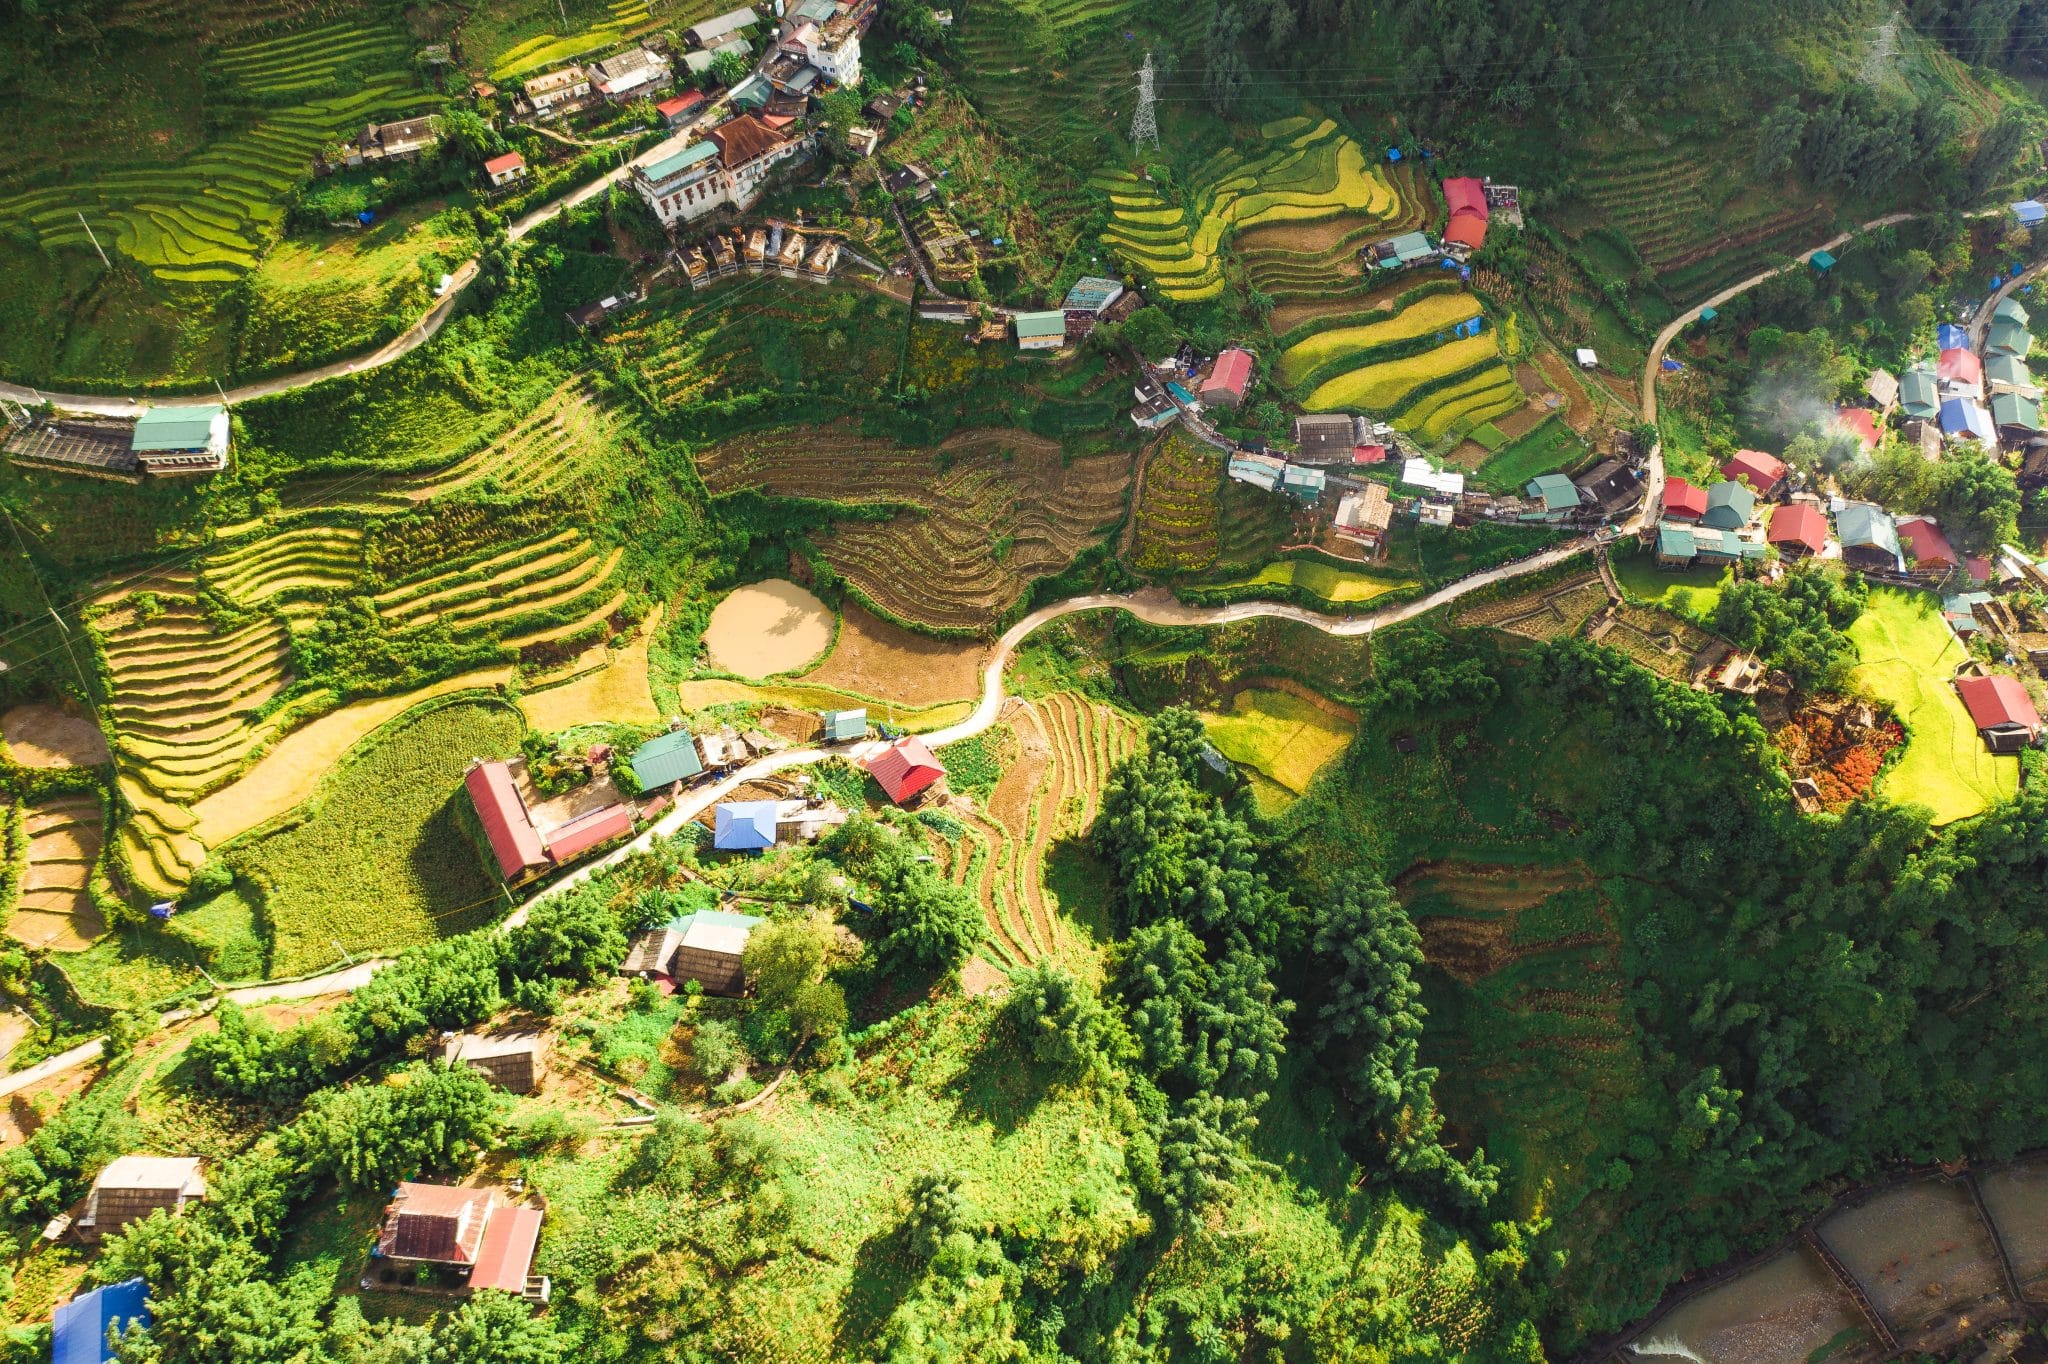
1579 412
1487 885
43 735
767 628
1294 312
617 690
56 913
875 658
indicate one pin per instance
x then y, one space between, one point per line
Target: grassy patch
1693 593
1549 447
1279 735
1908 658
1332 584
974 766
380 859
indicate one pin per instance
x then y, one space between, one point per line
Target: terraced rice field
1054 74
1065 747
209 218
185 701
55 911
550 452
1383 388
1549 613
627 16
1429 315
555 577
293 564
997 510
1313 175
1319 261
1176 517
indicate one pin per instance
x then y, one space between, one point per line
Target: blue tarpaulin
79 1331
366 217
1446 264
1948 336
1464 272
1671 366
1393 153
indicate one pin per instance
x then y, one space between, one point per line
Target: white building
558 91
684 182
833 49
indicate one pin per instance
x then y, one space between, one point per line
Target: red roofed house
1683 501
503 170
1228 379
1859 422
1980 569
1764 473
436 1224
1926 547
1959 366
2001 710
1368 454
1798 530
514 841
1466 199
905 768
674 111
567 842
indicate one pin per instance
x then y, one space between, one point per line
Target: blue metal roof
1948 336
79 1330
2029 212
744 825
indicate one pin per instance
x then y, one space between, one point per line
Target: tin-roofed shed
844 725
666 759
515 1061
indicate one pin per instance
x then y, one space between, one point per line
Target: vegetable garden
1176 517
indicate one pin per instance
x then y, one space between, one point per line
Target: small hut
515 1061
133 1187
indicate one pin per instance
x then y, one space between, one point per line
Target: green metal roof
2010 337
2008 369
844 724
666 758
1823 260
2012 310
175 428
2016 409
1557 492
1676 542
1730 506
1036 326
1862 526
1918 394
675 163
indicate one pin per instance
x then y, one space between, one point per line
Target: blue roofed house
1967 417
1869 538
1919 393
2029 213
182 440
667 759
1730 506
79 1329
1948 336
843 725
744 825
1555 497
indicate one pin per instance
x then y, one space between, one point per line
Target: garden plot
1063 748
1551 613
997 510
56 911
1176 516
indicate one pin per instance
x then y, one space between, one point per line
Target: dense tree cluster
928 923
1798 625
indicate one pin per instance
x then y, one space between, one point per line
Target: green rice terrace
838 813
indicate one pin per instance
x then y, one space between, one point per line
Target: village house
681 108
744 825
1926 549
710 32
1870 541
666 759
1552 498
1676 547
1611 485
1092 294
700 61
558 92
467 1231
508 829
1764 473
2001 710
1365 516
407 140
1331 438
1420 473
2008 337
503 170
181 440
1882 388
1797 530
1465 232
515 1061
1261 471
130 1188
1862 423
2017 416
1730 506
631 75
2009 374
1920 394
1965 417
1303 484
1683 500
1154 410
1960 372
843 726
1041 330
1225 383
905 769
707 947
1397 253
587 832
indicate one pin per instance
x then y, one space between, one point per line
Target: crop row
1382 387
1460 407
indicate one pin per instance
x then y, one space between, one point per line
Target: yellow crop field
1433 416
1379 387
1434 313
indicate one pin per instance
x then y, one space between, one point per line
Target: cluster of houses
162 442
1470 205
1172 387
520 849
688 177
781 247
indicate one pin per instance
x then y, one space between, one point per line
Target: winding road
1154 606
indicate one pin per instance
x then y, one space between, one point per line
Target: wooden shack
133 1187
515 1061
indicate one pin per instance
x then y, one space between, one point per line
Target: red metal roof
506 1255
681 104
1861 422
1233 370
905 768
567 842
1998 700
499 809
499 164
1466 229
1465 194
1683 501
1799 524
1980 568
1764 472
1959 366
1368 454
1925 544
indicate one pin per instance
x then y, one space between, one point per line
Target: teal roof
1919 396
2011 310
1862 526
1037 326
175 428
844 724
675 163
2010 337
1410 246
1823 260
1676 542
667 758
1730 506
2016 409
1556 492
752 93
2008 369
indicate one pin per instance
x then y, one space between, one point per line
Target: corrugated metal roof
666 758
844 724
513 839
906 767
79 1327
175 428
744 825
675 163
566 842
506 1255
1676 542
1038 326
